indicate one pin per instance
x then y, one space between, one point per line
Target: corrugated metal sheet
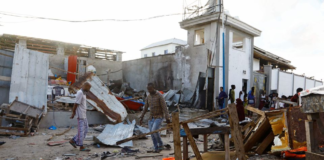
100 98
5 70
29 78
113 133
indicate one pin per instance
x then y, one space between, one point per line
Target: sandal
73 143
85 149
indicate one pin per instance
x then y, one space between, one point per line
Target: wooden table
205 131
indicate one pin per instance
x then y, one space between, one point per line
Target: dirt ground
36 148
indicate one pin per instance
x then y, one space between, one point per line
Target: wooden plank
263 129
227 147
313 156
205 143
210 130
310 137
236 132
176 136
4 78
255 110
247 126
14 128
142 135
265 143
185 147
208 115
192 141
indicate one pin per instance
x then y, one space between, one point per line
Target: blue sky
293 29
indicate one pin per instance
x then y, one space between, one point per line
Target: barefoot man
158 110
80 109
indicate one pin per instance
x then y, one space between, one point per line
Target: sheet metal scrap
100 97
113 133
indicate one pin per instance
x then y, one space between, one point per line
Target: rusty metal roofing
29 79
100 97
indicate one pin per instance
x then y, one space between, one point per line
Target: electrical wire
90 20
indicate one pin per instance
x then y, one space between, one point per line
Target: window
145 55
199 37
153 54
238 41
166 51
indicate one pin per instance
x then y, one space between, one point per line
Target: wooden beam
255 110
265 143
14 128
205 143
210 130
263 129
4 78
142 135
176 136
310 136
247 126
192 141
227 147
236 132
185 148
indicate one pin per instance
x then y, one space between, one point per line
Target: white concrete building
163 47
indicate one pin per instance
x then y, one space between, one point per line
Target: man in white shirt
80 109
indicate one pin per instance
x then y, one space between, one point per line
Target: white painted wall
285 84
310 83
318 83
299 82
239 60
256 64
159 50
274 79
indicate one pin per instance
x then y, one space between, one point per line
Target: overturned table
205 132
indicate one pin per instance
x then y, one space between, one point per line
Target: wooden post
310 137
236 132
227 147
192 141
185 148
205 143
176 135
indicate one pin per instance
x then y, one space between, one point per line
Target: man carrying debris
158 110
80 108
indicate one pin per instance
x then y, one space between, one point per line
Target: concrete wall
285 84
159 50
256 64
240 64
101 66
160 70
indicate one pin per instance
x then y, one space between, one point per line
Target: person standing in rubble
221 97
80 109
232 94
158 110
251 101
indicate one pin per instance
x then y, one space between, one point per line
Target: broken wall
5 70
29 77
160 70
101 66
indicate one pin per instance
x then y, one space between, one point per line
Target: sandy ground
36 148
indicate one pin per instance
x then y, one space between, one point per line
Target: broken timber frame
236 132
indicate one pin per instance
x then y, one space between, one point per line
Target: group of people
266 102
154 102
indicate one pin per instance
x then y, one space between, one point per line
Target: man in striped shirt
158 111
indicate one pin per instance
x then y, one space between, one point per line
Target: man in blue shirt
222 95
